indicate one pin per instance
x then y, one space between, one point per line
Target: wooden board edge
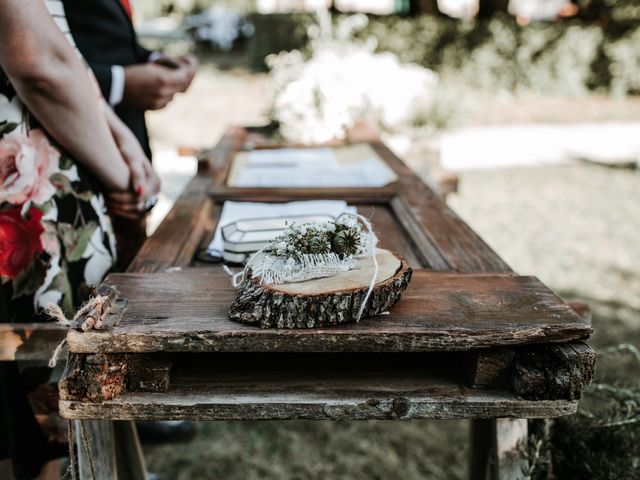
478 406
280 341
30 341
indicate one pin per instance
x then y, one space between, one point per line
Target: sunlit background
531 103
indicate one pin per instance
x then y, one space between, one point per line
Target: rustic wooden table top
470 338
188 312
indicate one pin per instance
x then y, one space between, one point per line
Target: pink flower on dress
26 163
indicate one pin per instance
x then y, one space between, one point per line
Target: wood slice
324 301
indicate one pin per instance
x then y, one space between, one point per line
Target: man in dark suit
132 79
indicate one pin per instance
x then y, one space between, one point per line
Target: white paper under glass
323 167
249 225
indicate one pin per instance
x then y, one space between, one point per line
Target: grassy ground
574 226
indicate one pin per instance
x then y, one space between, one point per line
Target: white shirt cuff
155 55
117 85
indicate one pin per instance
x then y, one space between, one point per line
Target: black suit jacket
105 36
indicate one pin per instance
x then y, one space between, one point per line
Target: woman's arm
52 81
144 180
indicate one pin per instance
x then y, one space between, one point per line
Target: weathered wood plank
231 405
29 341
553 371
188 311
178 236
381 195
535 372
96 450
93 378
460 247
129 455
220 156
426 249
391 233
148 373
317 386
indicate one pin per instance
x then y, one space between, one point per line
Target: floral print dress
56 241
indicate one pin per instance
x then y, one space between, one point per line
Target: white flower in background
318 99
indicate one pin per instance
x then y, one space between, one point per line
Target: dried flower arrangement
284 284
338 237
312 250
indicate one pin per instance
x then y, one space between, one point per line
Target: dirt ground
575 226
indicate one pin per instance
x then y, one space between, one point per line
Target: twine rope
94 311
73 458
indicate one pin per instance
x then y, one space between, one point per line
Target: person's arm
53 82
143 54
144 179
103 76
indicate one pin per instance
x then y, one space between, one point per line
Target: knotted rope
89 316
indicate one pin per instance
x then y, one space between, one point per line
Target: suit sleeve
142 53
111 79
103 75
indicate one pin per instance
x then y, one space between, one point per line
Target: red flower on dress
19 240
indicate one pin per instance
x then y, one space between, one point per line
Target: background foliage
566 58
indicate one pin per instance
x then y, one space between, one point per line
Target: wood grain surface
323 302
188 311
501 327
374 397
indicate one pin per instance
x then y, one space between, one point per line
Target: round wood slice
323 301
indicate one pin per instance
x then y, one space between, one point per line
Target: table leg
129 456
109 450
96 450
481 450
497 449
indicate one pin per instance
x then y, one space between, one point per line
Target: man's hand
188 63
151 86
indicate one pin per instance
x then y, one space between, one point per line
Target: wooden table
469 339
